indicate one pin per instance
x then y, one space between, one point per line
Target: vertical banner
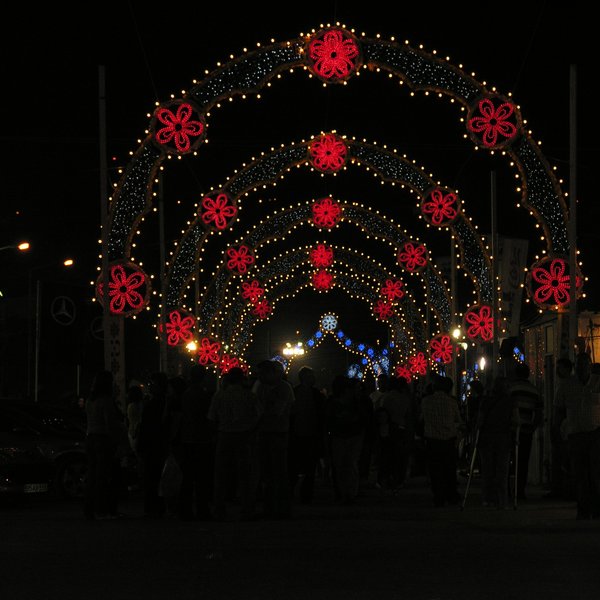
511 274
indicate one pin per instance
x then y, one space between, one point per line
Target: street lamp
69 262
22 247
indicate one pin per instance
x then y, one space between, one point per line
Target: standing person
307 434
397 403
530 406
560 485
102 437
198 439
442 424
135 403
276 396
577 402
235 411
346 422
366 453
498 423
381 431
153 443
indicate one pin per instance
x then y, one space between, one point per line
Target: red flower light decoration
321 256
252 290
441 349
328 153
479 323
322 280
549 282
326 213
392 290
227 363
209 351
418 364
334 55
493 121
179 329
404 372
262 309
179 127
413 257
239 259
383 310
441 208
218 212
128 289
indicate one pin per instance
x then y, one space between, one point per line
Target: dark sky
50 66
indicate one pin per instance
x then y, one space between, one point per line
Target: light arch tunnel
388 165
421 71
424 72
218 292
358 276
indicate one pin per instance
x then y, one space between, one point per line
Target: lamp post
38 325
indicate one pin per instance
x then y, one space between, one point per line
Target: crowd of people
256 444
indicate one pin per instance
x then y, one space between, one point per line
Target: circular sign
63 310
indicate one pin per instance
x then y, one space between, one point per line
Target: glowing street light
22 247
290 350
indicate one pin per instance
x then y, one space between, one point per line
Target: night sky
51 173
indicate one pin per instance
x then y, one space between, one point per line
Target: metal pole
494 273
572 223
38 294
104 215
453 307
161 225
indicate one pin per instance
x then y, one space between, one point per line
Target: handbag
170 478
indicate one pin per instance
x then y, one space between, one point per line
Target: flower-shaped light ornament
328 153
333 55
326 213
404 372
321 257
128 289
549 283
440 207
252 290
494 121
262 309
322 280
383 310
418 364
179 328
329 322
412 257
209 351
441 349
179 127
479 323
392 290
239 259
218 212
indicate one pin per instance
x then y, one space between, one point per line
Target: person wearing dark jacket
498 423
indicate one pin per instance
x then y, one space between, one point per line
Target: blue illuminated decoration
319 335
364 361
371 352
348 342
310 343
361 347
340 334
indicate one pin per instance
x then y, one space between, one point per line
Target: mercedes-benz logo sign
63 310
97 328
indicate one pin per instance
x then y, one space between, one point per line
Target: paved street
385 547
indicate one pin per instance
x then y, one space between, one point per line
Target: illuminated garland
492 120
386 164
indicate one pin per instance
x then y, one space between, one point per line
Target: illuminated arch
387 165
492 121
281 222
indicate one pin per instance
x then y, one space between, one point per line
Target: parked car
24 466
55 433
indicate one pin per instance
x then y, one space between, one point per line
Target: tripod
473 456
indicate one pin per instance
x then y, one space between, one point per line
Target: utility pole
573 320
